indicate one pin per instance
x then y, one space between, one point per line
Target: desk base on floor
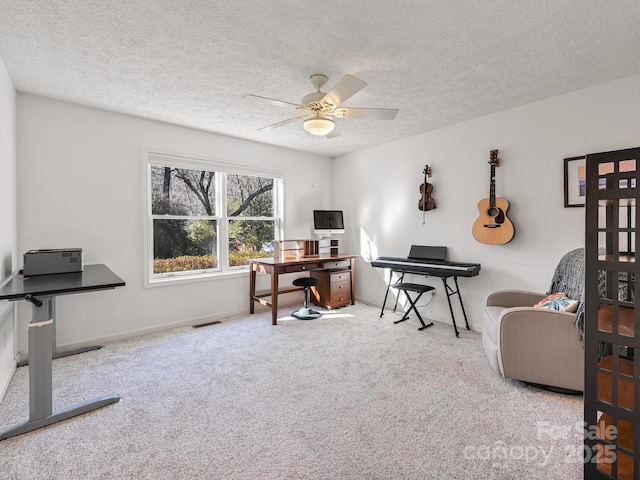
58 416
40 377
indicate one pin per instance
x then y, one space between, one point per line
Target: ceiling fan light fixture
319 126
318 109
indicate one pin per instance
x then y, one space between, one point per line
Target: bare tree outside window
249 201
187 227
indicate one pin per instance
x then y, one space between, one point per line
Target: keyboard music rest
436 267
427 252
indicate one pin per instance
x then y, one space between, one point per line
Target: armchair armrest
541 346
513 298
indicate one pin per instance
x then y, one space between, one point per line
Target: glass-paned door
612 322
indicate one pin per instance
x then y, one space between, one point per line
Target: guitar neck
492 187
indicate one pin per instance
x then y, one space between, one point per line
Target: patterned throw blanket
569 279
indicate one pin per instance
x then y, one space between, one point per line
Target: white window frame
221 169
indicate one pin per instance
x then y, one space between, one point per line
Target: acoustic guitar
493 227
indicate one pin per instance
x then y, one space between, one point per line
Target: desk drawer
305 267
340 287
340 299
336 264
334 289
344 276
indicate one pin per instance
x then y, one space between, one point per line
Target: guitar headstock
494 158
427 171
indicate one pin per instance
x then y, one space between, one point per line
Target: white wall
8 229
382 205
81 184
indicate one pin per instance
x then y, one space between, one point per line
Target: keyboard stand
448 290
389 285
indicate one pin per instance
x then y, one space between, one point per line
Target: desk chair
416 288
305 313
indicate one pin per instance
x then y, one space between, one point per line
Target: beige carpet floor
350 396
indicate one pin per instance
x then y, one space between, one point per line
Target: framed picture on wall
575 185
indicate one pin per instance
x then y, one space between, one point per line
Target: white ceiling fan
317 109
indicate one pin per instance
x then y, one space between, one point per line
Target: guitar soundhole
497 214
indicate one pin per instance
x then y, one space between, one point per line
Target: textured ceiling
190 62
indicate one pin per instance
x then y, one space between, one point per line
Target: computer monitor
327 222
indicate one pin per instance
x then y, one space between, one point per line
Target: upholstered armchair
538 345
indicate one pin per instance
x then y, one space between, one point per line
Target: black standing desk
42 291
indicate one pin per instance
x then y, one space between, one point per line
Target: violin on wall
426 202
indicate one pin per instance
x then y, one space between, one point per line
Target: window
208 218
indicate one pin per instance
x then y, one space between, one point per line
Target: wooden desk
275 267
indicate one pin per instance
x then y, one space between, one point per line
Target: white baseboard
189 322
159 328
6 378
8 356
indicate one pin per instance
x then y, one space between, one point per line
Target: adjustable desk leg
41 351
40 377
56 354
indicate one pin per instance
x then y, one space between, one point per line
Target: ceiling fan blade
375 113
333 133
272 101
347 87
283 122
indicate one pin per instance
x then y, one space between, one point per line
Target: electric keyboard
429 261
428 267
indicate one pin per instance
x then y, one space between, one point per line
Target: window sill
199 277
